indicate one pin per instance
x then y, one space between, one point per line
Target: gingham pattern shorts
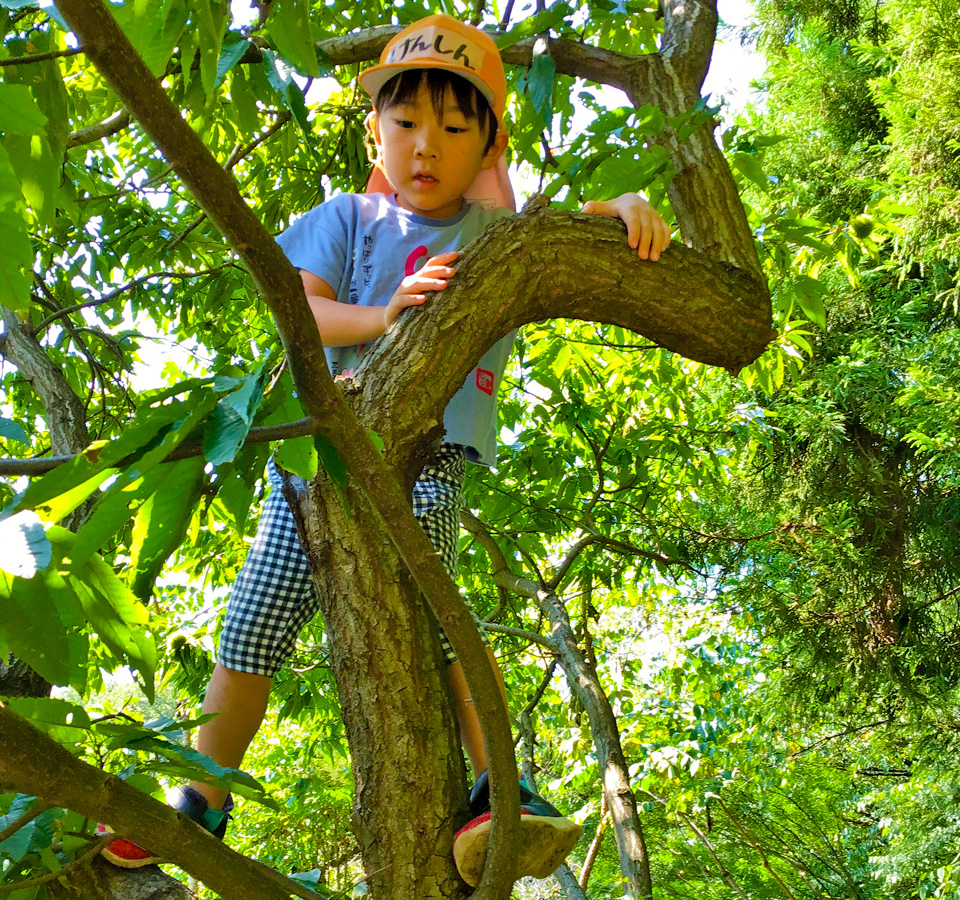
275 595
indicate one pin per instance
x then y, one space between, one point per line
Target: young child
438 94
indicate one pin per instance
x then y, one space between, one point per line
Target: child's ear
496 150
372 140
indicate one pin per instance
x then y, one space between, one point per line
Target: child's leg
240 699
467 716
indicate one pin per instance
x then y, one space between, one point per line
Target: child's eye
455 129
403 123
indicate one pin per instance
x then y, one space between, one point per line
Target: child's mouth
422 179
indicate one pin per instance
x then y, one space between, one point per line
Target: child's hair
403 88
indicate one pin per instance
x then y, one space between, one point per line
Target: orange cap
442 42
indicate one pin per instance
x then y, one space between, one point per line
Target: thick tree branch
65 415
572 58
33 763
216 192
536 266
521 633
689 31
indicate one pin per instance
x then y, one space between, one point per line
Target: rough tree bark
403 747
67 426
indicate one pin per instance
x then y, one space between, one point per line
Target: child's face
430 161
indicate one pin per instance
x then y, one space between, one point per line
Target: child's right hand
432 277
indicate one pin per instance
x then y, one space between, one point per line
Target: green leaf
36 836
12 431
236 484
312 881
538 24
748 164
62 720
153 27
227 428
290 30
37 159
811 294
24 548
331 461
116 616
66 487
32 626
161 523
118 504
16 261
248 115
230 55
190 763
19 113
211 18
540 84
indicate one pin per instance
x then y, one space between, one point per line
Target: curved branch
551 264
65 416
619 70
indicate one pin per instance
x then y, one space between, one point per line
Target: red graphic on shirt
485 381
411 267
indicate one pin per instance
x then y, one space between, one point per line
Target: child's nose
427 143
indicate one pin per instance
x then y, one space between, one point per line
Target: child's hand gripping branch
647 233
434 276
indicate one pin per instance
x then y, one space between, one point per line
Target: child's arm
344 324
646 231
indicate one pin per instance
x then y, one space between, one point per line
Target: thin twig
129 286
260 435
538 694
95 851
39 57
282 118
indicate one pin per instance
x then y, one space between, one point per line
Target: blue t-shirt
363 246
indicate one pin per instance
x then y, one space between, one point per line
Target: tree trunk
408 769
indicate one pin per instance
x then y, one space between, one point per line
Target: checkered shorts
275 594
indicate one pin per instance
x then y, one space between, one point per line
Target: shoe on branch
546 836
186 800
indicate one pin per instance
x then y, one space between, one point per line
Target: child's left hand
646 231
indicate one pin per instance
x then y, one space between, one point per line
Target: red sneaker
193 805
124 853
